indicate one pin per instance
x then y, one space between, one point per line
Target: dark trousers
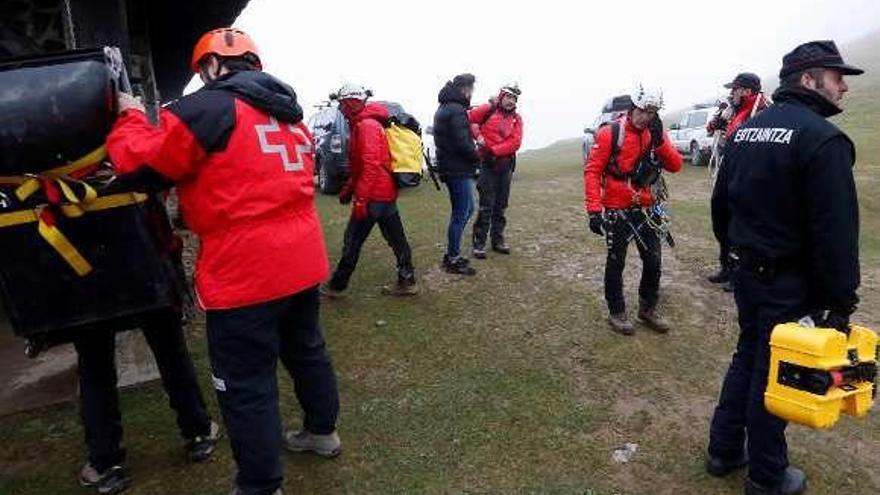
621 230
740 412
357 232
461 199
724 256
99 400
494 189
245 345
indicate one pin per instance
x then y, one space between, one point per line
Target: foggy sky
568 57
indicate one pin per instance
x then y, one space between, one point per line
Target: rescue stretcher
81 251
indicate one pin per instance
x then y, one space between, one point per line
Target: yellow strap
63 246
27 188
31 185
58 240
86 161
17 218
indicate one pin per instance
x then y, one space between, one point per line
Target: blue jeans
461 196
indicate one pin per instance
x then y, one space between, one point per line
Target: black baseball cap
814 55
745 80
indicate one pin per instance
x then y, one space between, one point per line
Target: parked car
689 134
330 130
611 110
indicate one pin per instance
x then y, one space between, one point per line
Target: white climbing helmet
351 91
511 89
647 97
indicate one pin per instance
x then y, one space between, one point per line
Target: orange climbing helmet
224 42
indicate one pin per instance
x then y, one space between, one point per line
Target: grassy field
509 382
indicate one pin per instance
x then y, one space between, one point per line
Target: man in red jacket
617 183
745 101
242 160
372 190
498 129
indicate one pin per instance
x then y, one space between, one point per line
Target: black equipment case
54 110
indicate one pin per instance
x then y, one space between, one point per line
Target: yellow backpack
406 155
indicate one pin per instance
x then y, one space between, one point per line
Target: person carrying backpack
499 130
626 160
372 191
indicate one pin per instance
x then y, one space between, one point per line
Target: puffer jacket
457 155
371 177
502 130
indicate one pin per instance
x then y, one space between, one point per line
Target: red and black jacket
371 177
502 130
243 163
603 190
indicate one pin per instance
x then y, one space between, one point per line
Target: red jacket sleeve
476 116
169 148
595 169
375 155
671 158
511 143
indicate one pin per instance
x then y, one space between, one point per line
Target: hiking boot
794 483
111 481
501 247
649 316
402 288
723 276
200 448
620 324
480 252
326 291
460 266
328 446
720 467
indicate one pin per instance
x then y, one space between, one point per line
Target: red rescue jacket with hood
243 162
502 130
604 191
370 176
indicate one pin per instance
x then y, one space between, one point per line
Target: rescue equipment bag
818 373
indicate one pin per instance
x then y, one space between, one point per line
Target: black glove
656 130
597 224
345 195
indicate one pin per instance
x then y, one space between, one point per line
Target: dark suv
330 130
331 148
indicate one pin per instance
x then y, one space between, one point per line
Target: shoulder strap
617 136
